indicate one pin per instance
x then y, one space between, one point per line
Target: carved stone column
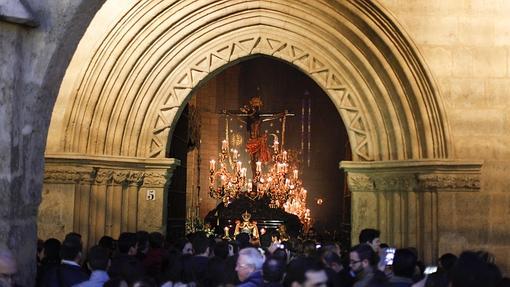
134 181
151 200
99 196
403 198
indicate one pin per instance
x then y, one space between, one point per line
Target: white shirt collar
69 262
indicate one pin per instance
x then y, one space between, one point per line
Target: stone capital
135 178
156 178
413 175
72 168
67 174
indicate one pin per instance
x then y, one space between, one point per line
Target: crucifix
257 142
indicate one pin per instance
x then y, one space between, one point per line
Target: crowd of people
148 260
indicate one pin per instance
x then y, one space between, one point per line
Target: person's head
447 261
187 249
256 102
250 260
51 249
98 258
371 237
221 249
404 263
201 244
8 268
71 249
309 248
332 260
127 243
243 240
280 254
74 235
184 246
275 236
471 270
156 240
108 244
273 270
333 247
362 257
142 239
305 272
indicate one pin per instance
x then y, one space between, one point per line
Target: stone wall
466 45
32 65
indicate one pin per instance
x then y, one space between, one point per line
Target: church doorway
315 132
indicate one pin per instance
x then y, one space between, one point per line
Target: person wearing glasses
363 263
249 267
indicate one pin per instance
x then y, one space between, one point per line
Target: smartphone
430 270
389 255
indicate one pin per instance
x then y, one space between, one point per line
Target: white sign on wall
151 194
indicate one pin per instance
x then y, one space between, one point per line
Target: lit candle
224 145
212 165
243 172
250 185
235 154
275 146
284 153
239 164
223 178
259 166
296 174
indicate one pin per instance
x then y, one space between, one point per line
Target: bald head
7 267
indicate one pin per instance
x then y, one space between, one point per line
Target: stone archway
122 95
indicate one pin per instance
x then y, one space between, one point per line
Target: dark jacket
64 275
397 281
255 280
127 267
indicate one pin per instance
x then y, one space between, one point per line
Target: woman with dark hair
50 259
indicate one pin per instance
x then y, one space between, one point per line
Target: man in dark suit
69 272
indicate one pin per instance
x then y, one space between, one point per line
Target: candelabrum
227 177
297 205
280 182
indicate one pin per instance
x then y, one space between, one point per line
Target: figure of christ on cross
257 142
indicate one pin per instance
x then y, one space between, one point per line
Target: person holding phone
404 264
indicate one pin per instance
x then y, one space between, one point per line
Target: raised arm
276 116
236 116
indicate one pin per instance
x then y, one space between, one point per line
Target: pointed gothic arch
124 101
